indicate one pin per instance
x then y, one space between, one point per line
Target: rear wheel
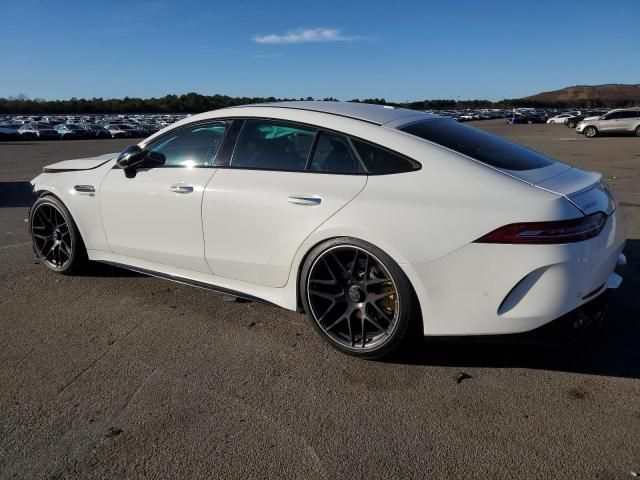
358 298
55 237
590 132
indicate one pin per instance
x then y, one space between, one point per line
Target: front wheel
358 298
638 132
55 237
590 132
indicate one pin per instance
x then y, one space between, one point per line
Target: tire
358 298
590 132
571 124
551 122
638 132
55 237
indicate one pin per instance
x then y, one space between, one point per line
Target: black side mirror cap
130 157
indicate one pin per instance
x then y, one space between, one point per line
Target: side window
272 145
378 160
612 116
194 146
333 154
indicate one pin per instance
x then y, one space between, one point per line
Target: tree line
195 103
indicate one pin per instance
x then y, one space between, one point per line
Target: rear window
477 144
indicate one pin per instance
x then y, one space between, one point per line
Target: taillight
544 233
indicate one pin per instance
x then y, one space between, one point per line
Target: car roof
378 114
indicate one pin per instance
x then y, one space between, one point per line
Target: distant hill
609 95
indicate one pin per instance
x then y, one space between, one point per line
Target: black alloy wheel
55 237
358 297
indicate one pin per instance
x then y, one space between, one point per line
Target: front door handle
308 200
181 188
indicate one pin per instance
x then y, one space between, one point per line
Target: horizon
366 51
24 97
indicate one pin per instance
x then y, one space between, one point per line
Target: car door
156 214
611 122
275 192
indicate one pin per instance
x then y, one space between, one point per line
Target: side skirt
187 281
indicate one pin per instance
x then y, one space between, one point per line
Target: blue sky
347 49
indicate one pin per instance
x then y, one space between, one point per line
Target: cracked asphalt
118 375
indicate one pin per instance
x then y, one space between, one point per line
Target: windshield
479 145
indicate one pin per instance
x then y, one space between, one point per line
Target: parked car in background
116 130
39 130
572 122
9 131
95 131
525 118
69 131
560 118
614 121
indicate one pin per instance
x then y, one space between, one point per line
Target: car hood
79 163
595 117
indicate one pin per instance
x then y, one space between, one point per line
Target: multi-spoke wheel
357 296
590 132
55 237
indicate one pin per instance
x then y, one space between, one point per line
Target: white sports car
370 219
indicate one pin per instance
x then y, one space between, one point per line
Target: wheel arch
46 192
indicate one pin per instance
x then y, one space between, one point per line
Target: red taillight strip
544 233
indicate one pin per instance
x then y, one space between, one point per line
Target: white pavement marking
15 245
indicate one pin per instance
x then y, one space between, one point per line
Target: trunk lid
584 189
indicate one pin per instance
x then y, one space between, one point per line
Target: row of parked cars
590 122
511 115
82 127
601 122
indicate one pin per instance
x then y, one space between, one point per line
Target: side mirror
130 158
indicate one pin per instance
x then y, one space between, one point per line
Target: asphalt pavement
117 375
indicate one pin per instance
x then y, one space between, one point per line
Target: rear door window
273 145
333 154
479 145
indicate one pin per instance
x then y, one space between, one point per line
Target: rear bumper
492 289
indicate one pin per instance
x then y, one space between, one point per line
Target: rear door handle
308 200
180 188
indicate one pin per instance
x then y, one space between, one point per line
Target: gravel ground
118 375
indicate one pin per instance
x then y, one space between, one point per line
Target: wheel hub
356 294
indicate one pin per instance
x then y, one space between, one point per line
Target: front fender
83 206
